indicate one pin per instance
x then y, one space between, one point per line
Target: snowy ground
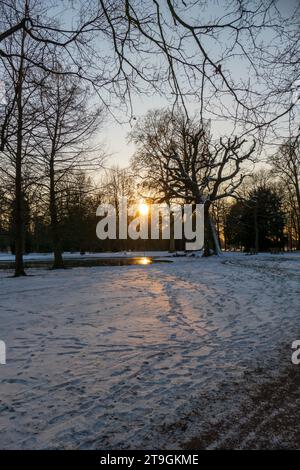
146 356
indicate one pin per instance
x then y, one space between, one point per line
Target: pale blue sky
115 134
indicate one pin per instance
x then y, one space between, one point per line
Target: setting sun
143 208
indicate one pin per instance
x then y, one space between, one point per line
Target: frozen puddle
87 262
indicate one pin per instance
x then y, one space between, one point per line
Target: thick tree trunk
211 240
216 248
56 242
208 237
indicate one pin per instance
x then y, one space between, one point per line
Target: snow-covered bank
128 357
67 255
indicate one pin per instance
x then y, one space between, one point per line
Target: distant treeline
260 220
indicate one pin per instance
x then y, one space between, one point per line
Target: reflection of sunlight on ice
144 261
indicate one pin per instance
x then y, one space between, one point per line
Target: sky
116 134
113 133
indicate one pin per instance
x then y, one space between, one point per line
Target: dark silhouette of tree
69 121
286 167
257 222
18 119
178 156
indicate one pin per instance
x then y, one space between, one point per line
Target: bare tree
18 119
64 142
28 66
178 156
118 182
286 166
177 47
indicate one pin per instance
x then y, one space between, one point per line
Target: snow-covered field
142 356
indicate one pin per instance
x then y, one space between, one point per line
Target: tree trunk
298 236
297 190
56 242
208 236
172 240
19 214
19 221
216 242
256 229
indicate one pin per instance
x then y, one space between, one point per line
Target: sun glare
143 208
144 261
